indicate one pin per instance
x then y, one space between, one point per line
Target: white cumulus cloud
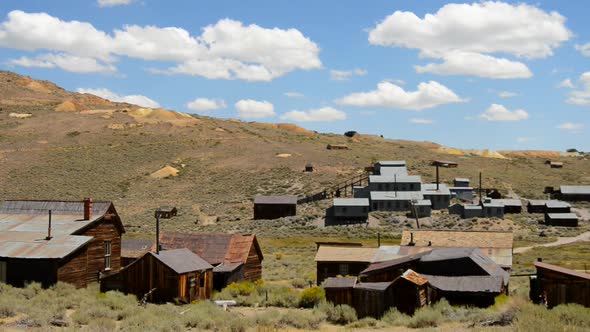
421 121
581 96
388 95
571 127
566 83
253 109
112 3
227 49
67 62
584 49
346 75
324 114
466 34
205 104
499 113
139 100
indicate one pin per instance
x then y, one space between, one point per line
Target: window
343 269
107 255
3 272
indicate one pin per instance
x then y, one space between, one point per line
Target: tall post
49 228
437 181
480 189
157 232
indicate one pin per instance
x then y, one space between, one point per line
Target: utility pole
480 189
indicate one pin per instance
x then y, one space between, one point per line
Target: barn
234 257
167 276
555 285
51 241
274 207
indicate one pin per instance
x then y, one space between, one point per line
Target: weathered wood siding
339 295
372 303
253 266
103 231
332 269
558 288
74 269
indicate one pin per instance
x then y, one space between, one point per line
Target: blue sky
498 75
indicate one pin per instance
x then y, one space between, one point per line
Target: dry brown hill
110 151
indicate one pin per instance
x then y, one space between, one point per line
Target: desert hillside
56 144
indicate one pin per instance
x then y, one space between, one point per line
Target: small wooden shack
556 285
274 207
173 275
309 168
554 164
561 219
411 291
548 206
372 299
337 147
339 290
350 210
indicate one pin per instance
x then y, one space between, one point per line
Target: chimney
411 240
49 228
88 205
378 239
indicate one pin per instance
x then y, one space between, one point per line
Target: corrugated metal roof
395 179
508 202
339 283
135 248
396 195
472 207
423 202
413 277
559 269
182 260
554 204
287 199
448 238
327 253
475 254
392 162
562 216
379 266
475 284
575 190
32 245
57 207
376 286
391 171
430 189
351 202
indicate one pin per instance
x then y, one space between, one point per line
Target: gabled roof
182 260
328 253
413 277
33 245
562 270
287 199
449 238
214 248
384 265
135 248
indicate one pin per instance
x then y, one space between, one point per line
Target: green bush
244 288
425 317
303 319
339 314
395 318
299 283
365 323
311 297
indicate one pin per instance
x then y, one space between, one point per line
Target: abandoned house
548 206
573 193
491 208
51 241
337 147
439 195
411 292
554 164
471 211
234 257
561 219
495 244
350 210
368 299
132 249
393 200
339 290
395 182
168 276
273 207
421 208
510 205
555 285
461 182
390 167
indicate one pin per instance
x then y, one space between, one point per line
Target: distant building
337 147
440 198
472 211
462 193
492 208
555 285
350 210
421 208
390 167
561 219
395 182
274 207
393 200
461 182
548 206
456 209
573 193
510 205
554 164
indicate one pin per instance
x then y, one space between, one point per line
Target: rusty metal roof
563 270
287 199
470 284
135 248
413 277
214 248
99 208
33 245
448 238
182 260
346 282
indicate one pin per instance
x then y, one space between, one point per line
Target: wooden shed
339 290
556 285
82 241
372 299
548 206
411 291
274 207
235 257
173 275
561 219
337 147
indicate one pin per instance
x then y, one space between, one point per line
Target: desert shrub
312 297
281 296
339 314
395 318
303 319
364 323
102 325
572 315
425 317
92 311
299 283
243 288
153 318
270 318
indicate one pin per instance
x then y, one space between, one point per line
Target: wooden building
421 208
573 193
350 211
510 205
171 275
555 285
548 206
461 182
561 219
132 249
235 257
342 259
554 164
495 244
309 168
273 207
337 147
339 290
390 167
439 196
411 291
372 299
75 243
492 208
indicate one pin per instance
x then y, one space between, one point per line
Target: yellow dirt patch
69 106
284 155
285 126
221 130
481 153
527 154
38 86
165 172
20 115
158 115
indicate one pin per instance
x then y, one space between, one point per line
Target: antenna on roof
49 228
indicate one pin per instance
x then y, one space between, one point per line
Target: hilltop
56 144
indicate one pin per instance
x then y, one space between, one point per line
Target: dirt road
561 240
